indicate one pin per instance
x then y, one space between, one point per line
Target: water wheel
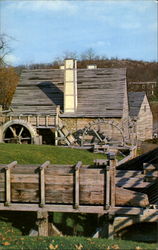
19 132
103 132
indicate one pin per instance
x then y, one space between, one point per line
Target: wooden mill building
93 98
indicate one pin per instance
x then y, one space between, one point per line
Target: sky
41 31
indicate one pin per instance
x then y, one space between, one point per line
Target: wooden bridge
103 188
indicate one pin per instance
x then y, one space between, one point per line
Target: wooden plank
59 194
131 182
70 208
128 198
77 184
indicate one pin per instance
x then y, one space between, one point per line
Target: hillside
136 70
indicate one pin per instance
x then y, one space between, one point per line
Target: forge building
91 99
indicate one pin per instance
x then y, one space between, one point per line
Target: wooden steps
62 133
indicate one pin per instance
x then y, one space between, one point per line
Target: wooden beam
77 184
53 230
8 182
42 183
42 223
70 209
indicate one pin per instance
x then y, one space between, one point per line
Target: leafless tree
4 48
66 54
88 54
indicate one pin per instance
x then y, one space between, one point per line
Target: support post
47 120
107 187
77 184
8 182
42 223
112 164
113 184
42 183
28 118
37 121
108 228
57 124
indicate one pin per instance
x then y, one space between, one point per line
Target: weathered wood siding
154 108
59 185
145 121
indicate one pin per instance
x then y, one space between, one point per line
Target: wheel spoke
97 135
13 131
26 138
22 128
8 139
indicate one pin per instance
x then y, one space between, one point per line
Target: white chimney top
92 66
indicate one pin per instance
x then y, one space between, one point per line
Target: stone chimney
70 86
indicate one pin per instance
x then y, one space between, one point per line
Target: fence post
42 183
57 124
8 182
112 164
77 184
107 187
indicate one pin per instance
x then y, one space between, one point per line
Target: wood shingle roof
100 92
135 100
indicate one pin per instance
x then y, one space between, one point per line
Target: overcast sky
43 30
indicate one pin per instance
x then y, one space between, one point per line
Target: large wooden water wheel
103 131
19 132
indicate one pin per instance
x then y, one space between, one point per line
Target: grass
76 243
37 154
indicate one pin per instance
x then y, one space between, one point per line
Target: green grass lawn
11 238
68 243
38 154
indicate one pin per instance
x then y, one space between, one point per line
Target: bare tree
4 48
66 54
88 54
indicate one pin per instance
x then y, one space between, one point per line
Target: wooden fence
94 189
99 188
